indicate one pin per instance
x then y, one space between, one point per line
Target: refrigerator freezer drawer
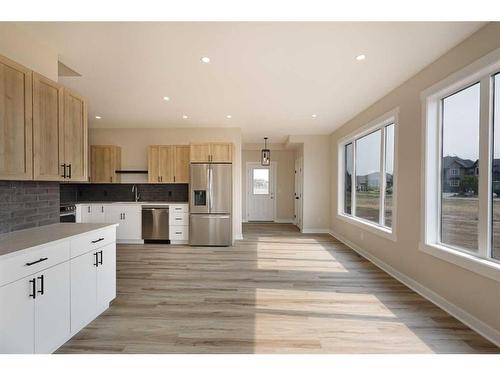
210 230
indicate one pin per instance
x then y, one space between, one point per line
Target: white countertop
140 203
39 236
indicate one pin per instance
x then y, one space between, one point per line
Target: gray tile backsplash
27 204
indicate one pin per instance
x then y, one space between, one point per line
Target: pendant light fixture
265 155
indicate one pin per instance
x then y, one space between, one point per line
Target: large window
367 175
462 169
459 158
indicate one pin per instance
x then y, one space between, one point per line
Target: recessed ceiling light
98 117
166 98
205 60
360 57
314 115
228 116
184 117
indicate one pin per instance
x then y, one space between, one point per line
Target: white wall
134 143
316 190
473 295
26 50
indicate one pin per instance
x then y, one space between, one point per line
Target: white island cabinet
53 281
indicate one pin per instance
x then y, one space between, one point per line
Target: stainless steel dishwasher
155 223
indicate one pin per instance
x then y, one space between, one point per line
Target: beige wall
285 181
316 152
21 47
134 144
477 295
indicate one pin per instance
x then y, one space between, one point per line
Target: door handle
36 261
64 170
41 285
96 260
33 288
98 240
100 262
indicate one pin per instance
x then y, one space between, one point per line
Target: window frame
379 123
481 71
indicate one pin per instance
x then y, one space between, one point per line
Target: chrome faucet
137 196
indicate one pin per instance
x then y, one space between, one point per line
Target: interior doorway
298 191
261 192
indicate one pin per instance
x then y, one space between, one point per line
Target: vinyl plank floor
276 291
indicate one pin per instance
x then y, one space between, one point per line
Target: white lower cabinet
93 285
106 276
90 213
129 219
72 281
17 322
83 288
52 308
34 313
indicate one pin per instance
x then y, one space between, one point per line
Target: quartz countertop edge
22 241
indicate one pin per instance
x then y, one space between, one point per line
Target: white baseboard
313 230
284 221
469 320
237 237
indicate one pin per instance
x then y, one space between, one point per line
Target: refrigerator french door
210 204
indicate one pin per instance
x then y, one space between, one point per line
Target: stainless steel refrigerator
210 204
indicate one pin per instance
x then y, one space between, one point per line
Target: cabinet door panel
15 121
83 290
199 152
75 135
106 276
97 213
153 164
166 164
181 160
52 308
104 162
17 323
48 132
221 152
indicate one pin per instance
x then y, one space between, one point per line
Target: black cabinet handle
33 288
64 170
99 240
96 260
37 261
41 285
69 169
100 252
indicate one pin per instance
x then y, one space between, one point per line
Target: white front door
261 187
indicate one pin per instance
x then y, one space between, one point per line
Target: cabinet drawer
179 218
17 267
90 241
178 208
179 233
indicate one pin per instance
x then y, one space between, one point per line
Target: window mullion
353 179
485 156
382 177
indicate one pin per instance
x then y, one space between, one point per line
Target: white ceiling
270 77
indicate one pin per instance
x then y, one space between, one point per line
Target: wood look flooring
276 291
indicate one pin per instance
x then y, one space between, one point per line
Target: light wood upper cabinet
15 121
153 164
48 129
105 160
221 152
211 152
168 164
199 152
75 136
181 164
